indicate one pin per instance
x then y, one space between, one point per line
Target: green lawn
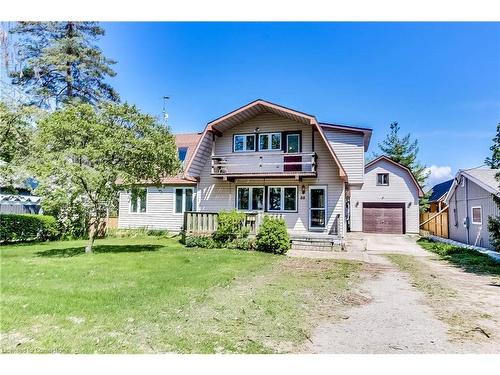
468 260
150 294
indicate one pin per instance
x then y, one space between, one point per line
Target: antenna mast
165 114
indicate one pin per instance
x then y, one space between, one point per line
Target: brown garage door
383 217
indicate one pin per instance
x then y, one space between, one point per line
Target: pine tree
494 163
59 61
403 150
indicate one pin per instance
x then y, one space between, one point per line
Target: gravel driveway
397 319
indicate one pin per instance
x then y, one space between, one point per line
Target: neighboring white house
267 158
470 201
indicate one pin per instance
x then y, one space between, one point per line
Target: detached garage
387 201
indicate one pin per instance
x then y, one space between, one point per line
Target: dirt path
395 321
401 319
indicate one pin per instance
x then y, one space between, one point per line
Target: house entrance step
316 243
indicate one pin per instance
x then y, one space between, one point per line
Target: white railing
264 163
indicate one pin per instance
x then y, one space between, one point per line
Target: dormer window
182 152
244 142
383 179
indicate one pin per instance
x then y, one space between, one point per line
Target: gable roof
388 159
258 106
483 177
440 190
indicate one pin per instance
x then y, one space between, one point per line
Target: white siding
159 211
477 196
215 194
267 123
204 152
350 150
401 189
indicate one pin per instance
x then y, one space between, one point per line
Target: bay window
282 198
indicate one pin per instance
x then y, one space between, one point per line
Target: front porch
206 223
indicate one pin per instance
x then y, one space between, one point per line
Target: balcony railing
265 164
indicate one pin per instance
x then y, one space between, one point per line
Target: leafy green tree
97 151
404 150
16 131
494 163
59 61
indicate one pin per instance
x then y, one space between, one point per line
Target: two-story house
267 158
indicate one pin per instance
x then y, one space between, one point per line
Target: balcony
268 164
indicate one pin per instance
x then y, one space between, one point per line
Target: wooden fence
205 223
435 223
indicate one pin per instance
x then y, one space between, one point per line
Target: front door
317 207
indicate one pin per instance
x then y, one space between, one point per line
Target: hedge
19 228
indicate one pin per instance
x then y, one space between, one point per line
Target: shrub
15 228
136 232
205 242
230 227
273 236
242 244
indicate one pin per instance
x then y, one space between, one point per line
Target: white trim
270 139
309 208
245 142
472 215
183 207
138 212
282 198
250 188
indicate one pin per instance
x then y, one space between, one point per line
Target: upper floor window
270 142
244 142
182 152
138 200
293 143
383 179
184 200
477 215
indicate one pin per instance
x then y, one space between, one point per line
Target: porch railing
264 163
205 223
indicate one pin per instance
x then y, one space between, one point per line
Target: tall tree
404 150
59 61
16 131
87 149
494 163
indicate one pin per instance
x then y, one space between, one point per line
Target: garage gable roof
404 167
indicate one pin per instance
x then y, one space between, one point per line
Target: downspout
467 209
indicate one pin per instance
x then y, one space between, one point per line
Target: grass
466 259
151 294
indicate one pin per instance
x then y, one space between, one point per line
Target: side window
244 142
383 179
138 200
477 215
184 200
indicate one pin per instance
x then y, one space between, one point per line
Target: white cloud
438 174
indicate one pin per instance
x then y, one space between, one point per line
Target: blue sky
440 81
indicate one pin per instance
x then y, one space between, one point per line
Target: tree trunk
92 235
69 73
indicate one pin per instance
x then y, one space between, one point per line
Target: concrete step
316 244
